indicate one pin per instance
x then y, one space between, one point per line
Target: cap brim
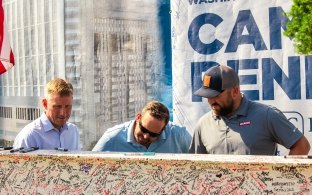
206 92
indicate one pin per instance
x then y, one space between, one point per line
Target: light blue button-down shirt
41 133
120 138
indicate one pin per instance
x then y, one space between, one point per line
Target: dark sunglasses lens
153 134
144 130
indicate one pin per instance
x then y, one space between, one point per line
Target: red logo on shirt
244 123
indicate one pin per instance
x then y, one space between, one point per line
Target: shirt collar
47 125
130 136
243 108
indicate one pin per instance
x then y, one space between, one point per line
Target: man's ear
138 117
235 91
44 103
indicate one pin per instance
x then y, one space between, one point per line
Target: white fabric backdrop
249 38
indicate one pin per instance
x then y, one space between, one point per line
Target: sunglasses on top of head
144 130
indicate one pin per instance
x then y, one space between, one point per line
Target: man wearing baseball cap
236 125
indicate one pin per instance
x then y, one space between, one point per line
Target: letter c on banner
193 34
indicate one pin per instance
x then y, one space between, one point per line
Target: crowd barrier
56 172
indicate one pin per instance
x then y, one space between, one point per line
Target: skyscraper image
109 50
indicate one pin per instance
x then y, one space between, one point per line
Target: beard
223 110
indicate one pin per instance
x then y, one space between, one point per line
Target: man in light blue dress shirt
151 131
51 130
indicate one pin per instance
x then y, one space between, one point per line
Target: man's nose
146 135
63 111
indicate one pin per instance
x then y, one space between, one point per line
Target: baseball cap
216 80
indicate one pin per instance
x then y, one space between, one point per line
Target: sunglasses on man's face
144 130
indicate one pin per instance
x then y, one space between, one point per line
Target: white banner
248 36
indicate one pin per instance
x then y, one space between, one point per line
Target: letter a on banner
6 54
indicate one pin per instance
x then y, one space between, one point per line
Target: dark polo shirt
254 129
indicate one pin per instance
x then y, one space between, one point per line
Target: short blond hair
157 110
59 86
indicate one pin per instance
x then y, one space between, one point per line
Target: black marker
61 149
29 149
140 154
6 148
16 150
298 157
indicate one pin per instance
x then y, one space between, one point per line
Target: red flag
6 54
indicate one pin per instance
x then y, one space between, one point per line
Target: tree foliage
299 28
